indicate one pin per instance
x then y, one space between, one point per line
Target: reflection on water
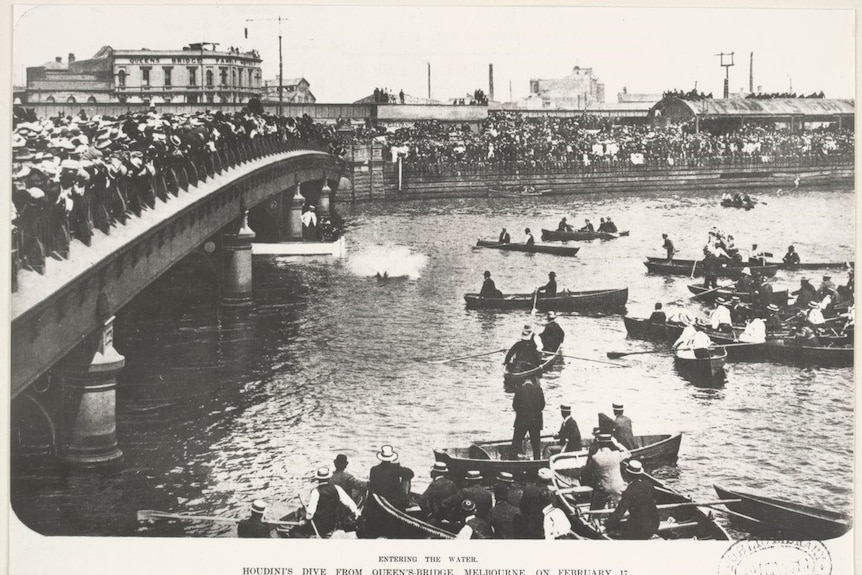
217 407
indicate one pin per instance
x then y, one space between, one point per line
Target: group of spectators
511 139
384 96
770 96
74 174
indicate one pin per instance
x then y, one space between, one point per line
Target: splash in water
391 261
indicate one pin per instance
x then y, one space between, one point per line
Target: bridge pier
90 401
323 213
294 222
237 276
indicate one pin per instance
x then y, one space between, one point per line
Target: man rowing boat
524 354
588 227
564 226
550 288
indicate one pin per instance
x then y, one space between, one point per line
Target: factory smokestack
490 82
751 74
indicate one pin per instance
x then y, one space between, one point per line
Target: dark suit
552 336
570 435
525 352
639 500
504 238
253 528
528 403
549 289
502 520
432 500
623 432
385 480
489 289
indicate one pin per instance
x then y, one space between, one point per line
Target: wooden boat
684 268
835 351
563 301
533 249
686 522
382 519
779 297
814 266
491 457
707 368
558 236
513 377
794 521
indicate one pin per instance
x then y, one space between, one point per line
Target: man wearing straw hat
720 319
440 489
254 527
388 478
524 354
639 501
325 503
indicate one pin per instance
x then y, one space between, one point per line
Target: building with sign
196 74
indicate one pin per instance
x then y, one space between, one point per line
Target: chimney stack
71 57
751 74
490 82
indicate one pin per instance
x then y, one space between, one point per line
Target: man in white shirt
720 319
814 317
309 224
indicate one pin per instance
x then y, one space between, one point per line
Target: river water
217 408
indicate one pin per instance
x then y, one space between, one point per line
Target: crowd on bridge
73 175
511 139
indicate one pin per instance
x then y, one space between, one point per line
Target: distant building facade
196 74
576 91
294 90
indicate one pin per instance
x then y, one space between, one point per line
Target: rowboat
836 352
337 248
732 204
558 236
778 298
532 249
794 521
683 522
563 301
492 457
684 268
815 266
382 519
707 368
516 375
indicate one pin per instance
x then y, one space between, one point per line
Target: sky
347 51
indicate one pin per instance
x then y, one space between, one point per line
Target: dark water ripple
217 408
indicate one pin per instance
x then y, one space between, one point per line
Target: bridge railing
43 229
623 165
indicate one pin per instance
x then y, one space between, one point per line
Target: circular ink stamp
776 558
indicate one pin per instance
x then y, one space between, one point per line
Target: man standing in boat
623 428
550 288
528 403
668 247
523 355
603 469
552 336
639 501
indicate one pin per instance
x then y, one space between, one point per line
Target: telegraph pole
429 79
280 64
726 62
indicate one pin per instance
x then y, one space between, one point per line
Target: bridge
64 366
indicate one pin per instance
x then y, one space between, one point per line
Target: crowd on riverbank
74 174
510 138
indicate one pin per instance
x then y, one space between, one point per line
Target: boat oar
697 295
673 505
619 354
734 514
693 265
304 508
583 358
439 361
150 514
